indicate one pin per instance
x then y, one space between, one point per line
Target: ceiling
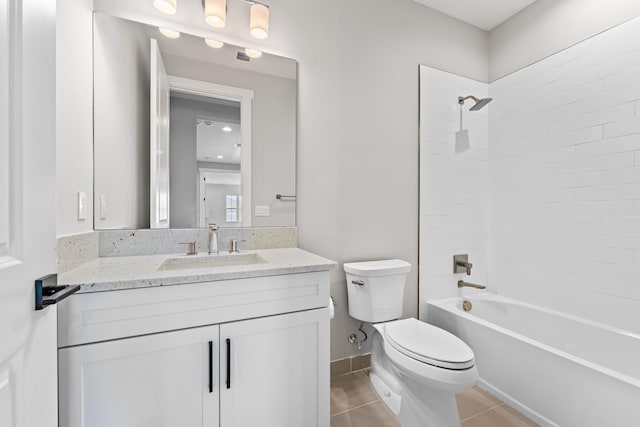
213 142
486 14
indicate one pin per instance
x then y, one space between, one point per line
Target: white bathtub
558 369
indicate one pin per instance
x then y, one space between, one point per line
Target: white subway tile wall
564 180
454 199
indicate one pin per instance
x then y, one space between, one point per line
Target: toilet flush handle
358 282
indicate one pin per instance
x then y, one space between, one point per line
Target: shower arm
461 99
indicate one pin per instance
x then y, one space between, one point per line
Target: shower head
479 103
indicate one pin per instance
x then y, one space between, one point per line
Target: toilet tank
375 289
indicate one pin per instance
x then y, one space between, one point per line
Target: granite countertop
132 272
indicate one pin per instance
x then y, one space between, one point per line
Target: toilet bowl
416 368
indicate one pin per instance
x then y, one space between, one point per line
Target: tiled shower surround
560 184
454 199
565 180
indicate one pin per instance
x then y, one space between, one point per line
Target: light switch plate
262 211
82 205
103 206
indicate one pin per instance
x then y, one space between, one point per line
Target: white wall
74 113
121 122
565 180
454 198
548 26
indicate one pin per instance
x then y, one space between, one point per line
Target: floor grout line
355 407
351 372
483 412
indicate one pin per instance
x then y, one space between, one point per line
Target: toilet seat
428 344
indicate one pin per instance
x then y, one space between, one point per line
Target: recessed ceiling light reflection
216 44
165 6
172 34
227 129
253 53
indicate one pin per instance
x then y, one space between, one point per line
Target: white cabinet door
163 380
277 374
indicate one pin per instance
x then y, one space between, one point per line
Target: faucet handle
191 248
233 245
461 264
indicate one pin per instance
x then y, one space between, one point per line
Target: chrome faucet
213 239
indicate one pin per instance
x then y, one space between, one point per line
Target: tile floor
354 403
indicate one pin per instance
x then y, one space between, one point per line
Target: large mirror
187 134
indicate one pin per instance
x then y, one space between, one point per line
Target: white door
161 380
277 374
159 149
28 382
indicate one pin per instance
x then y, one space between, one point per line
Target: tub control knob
461 264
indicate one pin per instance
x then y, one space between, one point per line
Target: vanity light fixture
227 129
259 21
166 6
252 53
172 34
215 13
216 44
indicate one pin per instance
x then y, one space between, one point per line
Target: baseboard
350 364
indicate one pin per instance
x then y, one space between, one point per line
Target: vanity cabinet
272 370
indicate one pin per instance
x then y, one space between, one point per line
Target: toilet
416 368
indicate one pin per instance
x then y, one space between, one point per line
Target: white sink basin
210 261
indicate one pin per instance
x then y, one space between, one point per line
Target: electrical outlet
82 206
262 211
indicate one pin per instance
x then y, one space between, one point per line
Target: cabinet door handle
210 366
228 363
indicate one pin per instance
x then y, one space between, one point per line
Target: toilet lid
387 267
429 344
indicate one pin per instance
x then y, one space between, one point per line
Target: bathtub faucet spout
463 284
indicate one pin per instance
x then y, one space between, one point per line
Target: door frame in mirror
230 93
